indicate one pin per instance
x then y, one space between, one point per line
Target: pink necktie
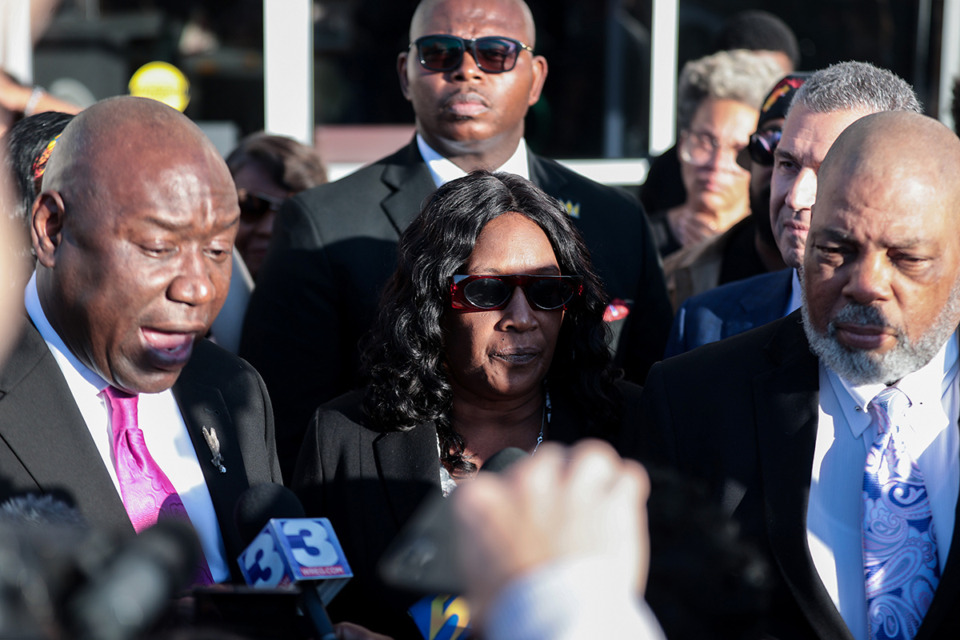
148 495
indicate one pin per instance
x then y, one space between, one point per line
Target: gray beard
864 367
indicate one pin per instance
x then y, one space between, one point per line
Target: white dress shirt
443 170
844 436
163 429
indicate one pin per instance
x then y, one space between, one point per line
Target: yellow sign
163 82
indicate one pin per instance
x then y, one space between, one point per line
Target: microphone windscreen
259 504
33 509
504 459
124 599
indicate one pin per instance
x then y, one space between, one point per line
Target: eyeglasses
699 148
762 145
253 206
488 293
494 54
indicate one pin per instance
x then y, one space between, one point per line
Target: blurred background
597 102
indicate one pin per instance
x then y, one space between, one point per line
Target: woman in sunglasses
267 170
718 103
490 335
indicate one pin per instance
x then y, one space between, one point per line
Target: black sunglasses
254 206
488 293
762 145
494 54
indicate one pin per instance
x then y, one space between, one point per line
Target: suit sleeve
307 480
293 303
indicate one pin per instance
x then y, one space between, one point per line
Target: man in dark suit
334 246
829 101
787 423
133 234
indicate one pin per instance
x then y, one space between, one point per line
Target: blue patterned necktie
899 544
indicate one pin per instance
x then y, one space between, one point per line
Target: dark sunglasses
488 293
762 145
254 206
494 54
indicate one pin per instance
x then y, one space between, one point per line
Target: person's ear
402 60
46 228
539 71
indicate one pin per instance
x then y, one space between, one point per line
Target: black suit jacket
369 483
742 414
45 445
334 247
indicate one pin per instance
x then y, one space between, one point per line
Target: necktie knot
887 407
123 408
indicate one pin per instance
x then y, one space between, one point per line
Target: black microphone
268 517
504 459
423 556
128 595
41 537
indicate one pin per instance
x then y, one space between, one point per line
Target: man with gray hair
827 103
830 435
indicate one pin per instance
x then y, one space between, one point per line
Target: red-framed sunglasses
492 292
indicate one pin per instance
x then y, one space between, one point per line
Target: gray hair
744 76
856 86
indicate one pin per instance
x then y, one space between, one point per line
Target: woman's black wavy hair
404 356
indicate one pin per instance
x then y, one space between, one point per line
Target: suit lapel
786 398
551 182
943 612
42 425
202 407
408 466
410 183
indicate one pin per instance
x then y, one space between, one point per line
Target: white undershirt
163 430
844 436
443 171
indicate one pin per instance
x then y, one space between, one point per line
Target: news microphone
504 459
128 595
40 541
423 556
291 550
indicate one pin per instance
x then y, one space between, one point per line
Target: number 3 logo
316 550
263 563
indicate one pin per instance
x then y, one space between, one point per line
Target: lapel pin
210 435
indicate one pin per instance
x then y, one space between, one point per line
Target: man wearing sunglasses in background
826 104
471 74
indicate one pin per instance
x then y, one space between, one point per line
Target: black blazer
334 247
45 445
742 414
369 483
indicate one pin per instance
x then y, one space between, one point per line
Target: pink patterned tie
148 495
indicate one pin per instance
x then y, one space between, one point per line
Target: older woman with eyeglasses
718 105
490 336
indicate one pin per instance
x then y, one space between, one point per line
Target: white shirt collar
796 296
443 170
74 371
924 387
